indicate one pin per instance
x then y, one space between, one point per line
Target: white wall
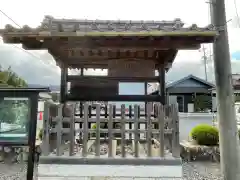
214 103
172 99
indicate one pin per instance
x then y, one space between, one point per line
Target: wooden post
162 86
145 93
136 131
72 131
85 131
63 92
161 122
97 142
81 112
149 130
46 129
175 135
112 151
123 141
59 131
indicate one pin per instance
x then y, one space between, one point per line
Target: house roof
174 83
190 77
235 82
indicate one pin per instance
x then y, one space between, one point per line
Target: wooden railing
161 132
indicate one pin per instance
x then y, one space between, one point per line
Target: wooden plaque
131 68
93 88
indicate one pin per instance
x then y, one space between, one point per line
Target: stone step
125 171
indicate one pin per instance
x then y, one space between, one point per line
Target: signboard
14 117
131 68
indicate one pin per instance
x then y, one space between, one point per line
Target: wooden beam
88 63
100 60
94 42
72 78
132 46
90 66
121 45
137 98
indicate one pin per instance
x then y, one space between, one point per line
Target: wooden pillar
63 85
162 88
81 109
81 103
81 72
145 93
162 85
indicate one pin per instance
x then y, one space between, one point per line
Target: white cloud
107 9
191 12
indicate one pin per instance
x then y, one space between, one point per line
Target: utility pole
229 141
205 62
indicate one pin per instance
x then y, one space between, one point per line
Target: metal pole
229 141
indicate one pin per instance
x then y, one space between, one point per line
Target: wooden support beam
72 78
133 47
122 46
98 97
100 60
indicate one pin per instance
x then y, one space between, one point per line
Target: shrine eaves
103 44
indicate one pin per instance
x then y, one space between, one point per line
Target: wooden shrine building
131 51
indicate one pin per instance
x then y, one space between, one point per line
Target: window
14 118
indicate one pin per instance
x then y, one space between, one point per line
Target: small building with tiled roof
185 90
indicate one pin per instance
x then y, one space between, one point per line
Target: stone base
111 172
190 151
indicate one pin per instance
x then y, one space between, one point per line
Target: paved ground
191 171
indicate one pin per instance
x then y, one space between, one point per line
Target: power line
10 18
28 52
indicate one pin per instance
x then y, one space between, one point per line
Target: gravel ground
201 171
191 171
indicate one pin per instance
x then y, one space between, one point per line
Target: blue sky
236 54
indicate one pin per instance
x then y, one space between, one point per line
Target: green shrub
94 126
205 135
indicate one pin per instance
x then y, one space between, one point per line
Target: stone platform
190 151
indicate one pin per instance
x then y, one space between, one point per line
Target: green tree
8 78
202 102
9 110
